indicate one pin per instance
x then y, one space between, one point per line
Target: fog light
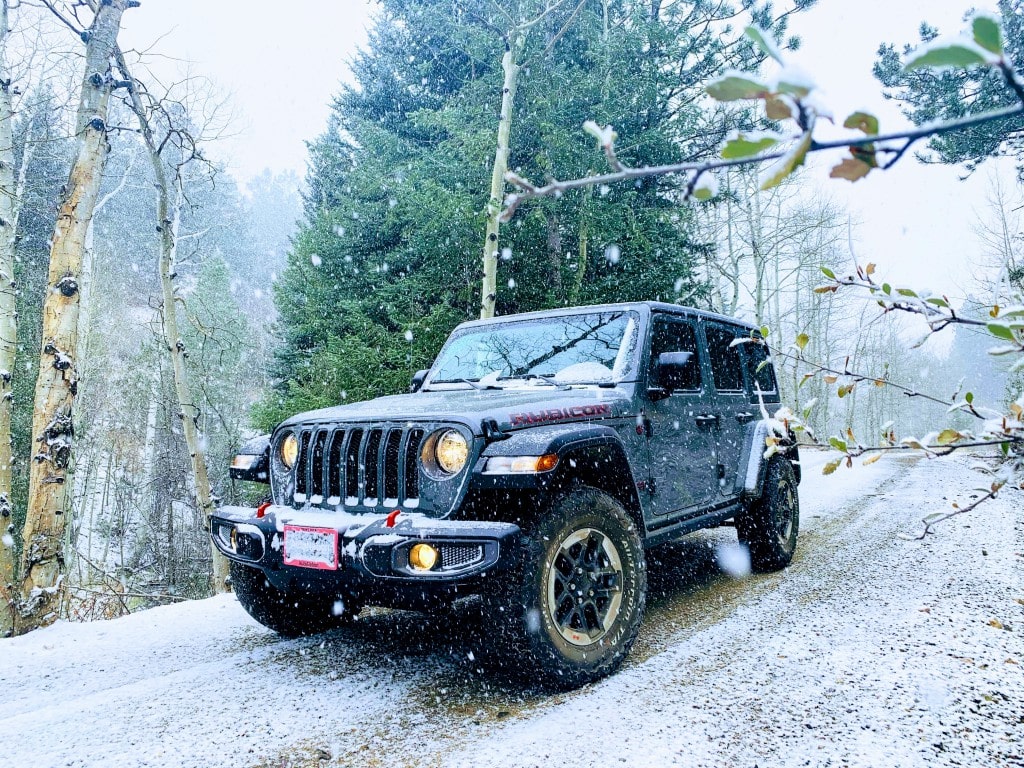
422 557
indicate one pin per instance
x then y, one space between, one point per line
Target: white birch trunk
8 329
43 557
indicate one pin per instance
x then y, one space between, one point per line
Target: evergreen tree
388 258
931 95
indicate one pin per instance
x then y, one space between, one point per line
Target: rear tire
288 614
770 525
575 605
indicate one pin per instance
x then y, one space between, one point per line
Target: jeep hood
512 409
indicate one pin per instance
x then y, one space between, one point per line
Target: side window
676 337
726 365
759 369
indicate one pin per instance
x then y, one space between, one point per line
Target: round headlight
289 450
451 452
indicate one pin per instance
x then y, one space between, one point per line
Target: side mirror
669 373
417 380
252 462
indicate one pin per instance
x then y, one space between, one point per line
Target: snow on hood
513 408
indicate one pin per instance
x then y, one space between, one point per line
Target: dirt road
869 650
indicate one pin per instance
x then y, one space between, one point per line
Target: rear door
731 401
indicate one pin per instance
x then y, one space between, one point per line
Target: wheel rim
585 586
785 512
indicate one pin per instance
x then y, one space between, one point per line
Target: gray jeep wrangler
532 465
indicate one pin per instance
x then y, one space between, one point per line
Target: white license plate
308 547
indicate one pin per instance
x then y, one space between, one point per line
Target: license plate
307 547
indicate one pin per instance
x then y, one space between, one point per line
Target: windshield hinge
492 432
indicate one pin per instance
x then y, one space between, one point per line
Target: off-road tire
584 543
288 614
769 526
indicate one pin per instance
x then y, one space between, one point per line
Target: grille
460 555
357 466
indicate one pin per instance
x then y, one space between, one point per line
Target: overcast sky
281 63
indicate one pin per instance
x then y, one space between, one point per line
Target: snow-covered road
869 650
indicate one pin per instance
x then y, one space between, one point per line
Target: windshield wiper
461 380
546 378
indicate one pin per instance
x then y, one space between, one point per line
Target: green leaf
764 41
938 302
886 289
748 146
958 55
864 122
838 444
1005 448
801 341
987 34
969 397
707 188
734 87
906 292
1000 331
828 273
787 163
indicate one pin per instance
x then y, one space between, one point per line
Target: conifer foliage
387 260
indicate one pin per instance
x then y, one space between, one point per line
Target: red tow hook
391 518
261 510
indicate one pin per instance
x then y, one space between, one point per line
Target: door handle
706 419
744 416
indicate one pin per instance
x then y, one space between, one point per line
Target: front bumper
371 556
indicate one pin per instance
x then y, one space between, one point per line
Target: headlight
289 450
451 452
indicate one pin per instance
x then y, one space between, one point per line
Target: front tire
770 525
576 608
288 614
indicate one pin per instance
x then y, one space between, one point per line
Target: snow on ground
868 651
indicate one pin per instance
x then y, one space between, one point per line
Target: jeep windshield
594 348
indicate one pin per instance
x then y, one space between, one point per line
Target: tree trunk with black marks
8 328
43 557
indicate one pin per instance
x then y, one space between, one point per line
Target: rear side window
677 337
759 369
726 364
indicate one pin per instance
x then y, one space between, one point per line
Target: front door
681 437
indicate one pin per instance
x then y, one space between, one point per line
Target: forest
143 342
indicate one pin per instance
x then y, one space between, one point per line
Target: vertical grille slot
412 464
317 467
370 462
302 468
392 455
355 440
335 466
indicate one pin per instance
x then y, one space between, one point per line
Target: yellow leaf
831 467
850 169
948 436
994 312
831 379
870 269
777 108
879 382
802 339
996 623
871 459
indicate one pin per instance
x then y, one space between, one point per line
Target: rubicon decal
561 414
